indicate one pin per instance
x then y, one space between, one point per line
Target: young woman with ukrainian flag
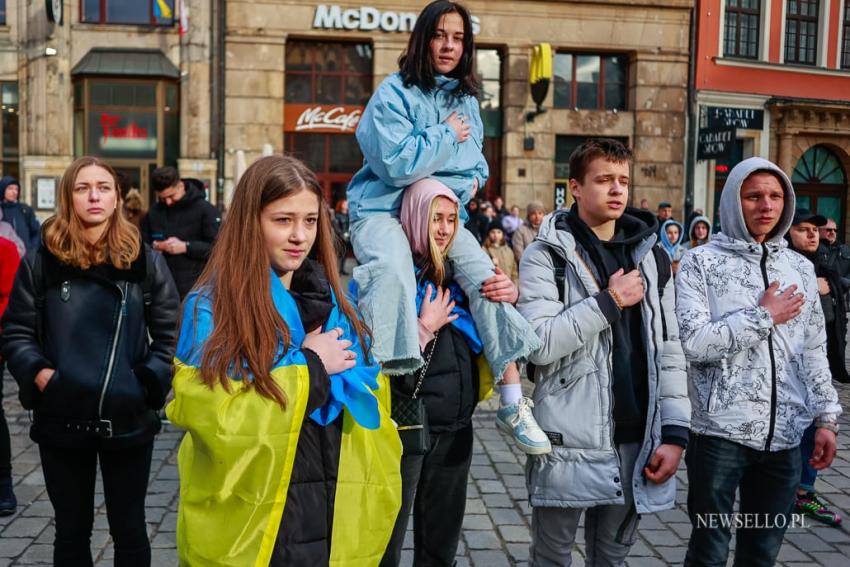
290 457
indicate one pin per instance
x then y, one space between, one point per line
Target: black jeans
434 486
5 443
70 478
768 484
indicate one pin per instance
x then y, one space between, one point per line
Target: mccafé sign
321 118
367 18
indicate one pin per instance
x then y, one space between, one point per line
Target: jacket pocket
580 367
49 390
570 408
126 395
716 379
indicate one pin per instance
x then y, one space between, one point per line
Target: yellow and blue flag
162 10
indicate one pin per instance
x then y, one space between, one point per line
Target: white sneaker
517 421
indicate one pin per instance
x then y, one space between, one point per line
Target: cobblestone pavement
496 528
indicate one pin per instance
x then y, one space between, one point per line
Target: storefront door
138 176
821 185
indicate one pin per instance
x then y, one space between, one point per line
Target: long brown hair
64 233
248 329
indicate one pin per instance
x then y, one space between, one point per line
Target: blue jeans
387 297
807 446
767 481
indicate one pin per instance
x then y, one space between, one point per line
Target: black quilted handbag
410 416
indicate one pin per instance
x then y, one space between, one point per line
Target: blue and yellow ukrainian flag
236 459
162 10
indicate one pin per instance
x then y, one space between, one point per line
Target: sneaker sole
524 447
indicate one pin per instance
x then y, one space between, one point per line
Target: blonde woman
75 337
434 481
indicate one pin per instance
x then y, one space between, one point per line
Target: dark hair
589 150
415 64
164 177
124 183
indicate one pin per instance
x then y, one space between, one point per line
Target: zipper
772 359
110 366
650 344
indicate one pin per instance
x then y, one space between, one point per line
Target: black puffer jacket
450 386
109 379
304 536
191 219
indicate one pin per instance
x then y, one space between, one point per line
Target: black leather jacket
91 327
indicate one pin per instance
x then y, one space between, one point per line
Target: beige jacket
503 257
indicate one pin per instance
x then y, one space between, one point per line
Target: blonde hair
64 236
437 258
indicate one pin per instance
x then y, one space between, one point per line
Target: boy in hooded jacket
699 232
753 331
20 216
611 390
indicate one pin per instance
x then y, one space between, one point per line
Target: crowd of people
319 419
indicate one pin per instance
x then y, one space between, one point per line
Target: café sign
321 118
367 18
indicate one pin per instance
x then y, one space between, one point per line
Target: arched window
821 184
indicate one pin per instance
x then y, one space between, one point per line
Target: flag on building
162 10
184 18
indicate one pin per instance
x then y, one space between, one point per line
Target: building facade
295 77
773 80
113 79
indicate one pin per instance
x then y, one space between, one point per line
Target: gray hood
732 217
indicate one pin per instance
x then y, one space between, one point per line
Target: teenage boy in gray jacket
754 334
611 389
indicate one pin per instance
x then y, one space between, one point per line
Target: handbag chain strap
425 367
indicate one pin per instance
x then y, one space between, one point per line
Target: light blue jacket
404 138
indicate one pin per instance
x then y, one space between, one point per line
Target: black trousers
434 487
5 443
70 478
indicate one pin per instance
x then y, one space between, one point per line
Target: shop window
9 152
327 87
2 12
488 64
741 33
845 35
133 12
120 119
328 73
801 31
590 82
